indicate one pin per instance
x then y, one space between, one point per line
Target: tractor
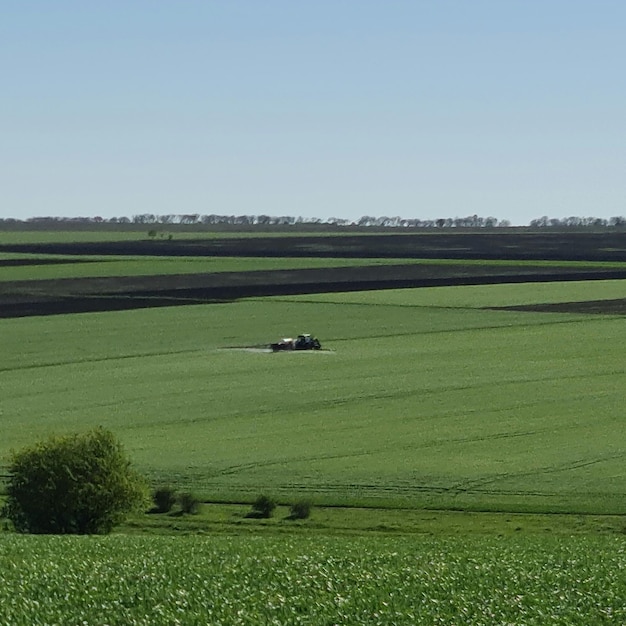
301 342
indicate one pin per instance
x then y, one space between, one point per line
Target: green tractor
301 342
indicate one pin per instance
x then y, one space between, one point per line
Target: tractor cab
307 342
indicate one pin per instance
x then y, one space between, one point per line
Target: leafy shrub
263 507
189 503
300 509
164 499
81 484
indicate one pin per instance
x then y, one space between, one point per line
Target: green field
98 266
421 398
120 234
133 232
426 408
149 266
296 580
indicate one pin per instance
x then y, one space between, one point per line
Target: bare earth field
78 295
73 295
503 244
601 307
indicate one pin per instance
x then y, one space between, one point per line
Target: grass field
97 266
147 266
421 398
297 580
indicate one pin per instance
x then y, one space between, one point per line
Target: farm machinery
301 342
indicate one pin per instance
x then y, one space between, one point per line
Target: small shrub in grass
164 499
263 507
189 503
300 509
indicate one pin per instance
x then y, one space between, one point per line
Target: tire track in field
447 388
35 366
579 319
383 492
253 465
476 484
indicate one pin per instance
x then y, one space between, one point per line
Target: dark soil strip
496 244
25 262
598 307
51 297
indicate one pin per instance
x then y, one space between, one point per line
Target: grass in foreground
299 580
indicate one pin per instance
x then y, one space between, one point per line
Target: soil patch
27 262
80 295
598 307
494 244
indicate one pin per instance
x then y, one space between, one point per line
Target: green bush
263 507
164 499
189 503
300 509
81 484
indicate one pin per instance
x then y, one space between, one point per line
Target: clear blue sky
333 108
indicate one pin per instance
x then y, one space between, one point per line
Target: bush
300 510
81 484
189 503
263 507
164 499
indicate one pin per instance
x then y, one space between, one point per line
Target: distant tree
80 484
191 218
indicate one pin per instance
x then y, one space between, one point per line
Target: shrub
81 483
301 509
164 499
189 503
263 507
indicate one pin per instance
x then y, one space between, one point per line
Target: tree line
366 221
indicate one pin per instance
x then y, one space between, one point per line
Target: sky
423 109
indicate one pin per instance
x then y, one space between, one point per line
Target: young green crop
259 580
420 397
94 267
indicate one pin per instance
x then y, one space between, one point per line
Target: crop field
423 397
497 244
20 266
34 267
126 233
502 398
296 580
